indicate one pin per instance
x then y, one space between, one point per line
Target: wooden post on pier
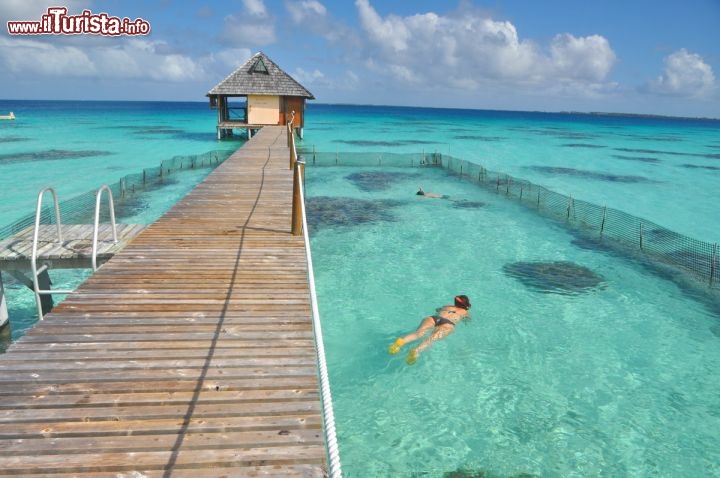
298 176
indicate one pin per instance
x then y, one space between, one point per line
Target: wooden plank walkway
188 354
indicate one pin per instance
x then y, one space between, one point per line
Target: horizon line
560 112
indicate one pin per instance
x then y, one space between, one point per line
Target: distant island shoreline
371 105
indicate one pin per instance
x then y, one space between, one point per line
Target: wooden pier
190 353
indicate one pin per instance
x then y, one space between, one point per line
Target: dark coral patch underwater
642 159
582 173
467 204
13 139
50 154
324 211
556 277
583 145
377 180
367 142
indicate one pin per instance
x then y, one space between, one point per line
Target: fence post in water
641 236
538 201
299 172
569 207
313 154
602 224
507 185
713 261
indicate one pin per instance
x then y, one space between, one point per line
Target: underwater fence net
597 225
80 209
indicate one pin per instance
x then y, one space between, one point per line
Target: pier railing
599 226
79 209
299 226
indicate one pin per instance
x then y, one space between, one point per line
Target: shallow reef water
615 178
50 154
130 207
557 277
475 473
326 211
377 180
467 204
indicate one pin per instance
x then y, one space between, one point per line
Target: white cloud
308 77
391 33
255 8
317 79
253 26
311 16
132 58
586 58
40 58
241 30
306 11
231 58
685 74
466 49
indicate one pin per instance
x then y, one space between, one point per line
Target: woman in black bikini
442 324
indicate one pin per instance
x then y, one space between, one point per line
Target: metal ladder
44 268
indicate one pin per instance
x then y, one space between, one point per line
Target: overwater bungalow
258 94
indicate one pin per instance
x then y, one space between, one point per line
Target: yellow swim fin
395 347
412 357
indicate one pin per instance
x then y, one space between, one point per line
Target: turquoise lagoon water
665 170
621 379
617 380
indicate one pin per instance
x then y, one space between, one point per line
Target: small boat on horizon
11 116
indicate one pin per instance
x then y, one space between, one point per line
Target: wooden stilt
46 300
4 316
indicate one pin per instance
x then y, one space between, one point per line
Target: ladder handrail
36 233
98 198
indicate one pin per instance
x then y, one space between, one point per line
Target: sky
621 56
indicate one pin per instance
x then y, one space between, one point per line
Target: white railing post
98 198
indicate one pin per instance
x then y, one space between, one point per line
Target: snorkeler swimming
421 192
442 324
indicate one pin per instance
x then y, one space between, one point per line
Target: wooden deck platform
75 249
188 354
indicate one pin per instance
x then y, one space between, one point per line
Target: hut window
259 67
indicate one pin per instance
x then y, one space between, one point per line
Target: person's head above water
462 301
420 191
